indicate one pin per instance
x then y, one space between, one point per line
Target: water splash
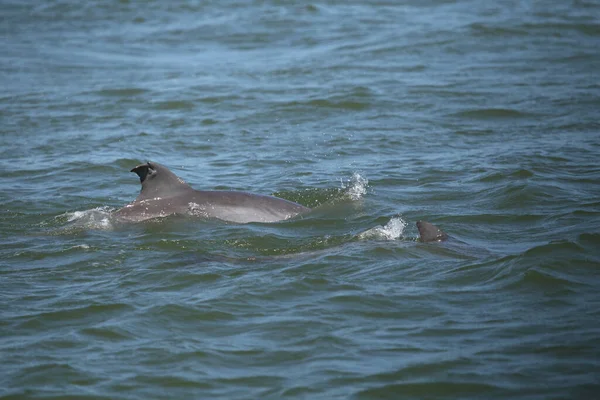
393 230
197 210
356 187
96 218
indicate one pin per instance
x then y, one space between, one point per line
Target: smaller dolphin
164 193
430 233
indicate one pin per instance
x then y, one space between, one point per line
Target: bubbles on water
356 187
96 218
197 210
393 230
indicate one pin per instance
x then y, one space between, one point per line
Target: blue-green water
481 117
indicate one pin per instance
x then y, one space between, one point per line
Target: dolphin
164 193
430 233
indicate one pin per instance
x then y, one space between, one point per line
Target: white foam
81 246
197 210
393 230
96 218
356 187
146 201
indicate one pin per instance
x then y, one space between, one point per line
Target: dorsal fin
158 181
430 233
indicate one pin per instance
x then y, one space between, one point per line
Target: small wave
352 99
593 239
393 230
122 92
344 104
522 193
174 105
559 247
356 187
438 388
88 313
493 31
491 113
555 266
549 279
499 176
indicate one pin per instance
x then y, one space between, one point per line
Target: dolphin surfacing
430 233
164 193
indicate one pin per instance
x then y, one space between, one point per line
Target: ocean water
481 117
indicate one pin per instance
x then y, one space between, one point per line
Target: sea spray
356 186
393 230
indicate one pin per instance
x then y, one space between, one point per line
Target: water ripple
479 117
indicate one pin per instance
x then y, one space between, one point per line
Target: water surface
481 117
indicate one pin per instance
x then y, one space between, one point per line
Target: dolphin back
164 193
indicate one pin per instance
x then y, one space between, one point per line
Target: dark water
481 117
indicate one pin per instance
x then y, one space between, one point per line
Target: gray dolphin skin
430 233
164 193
